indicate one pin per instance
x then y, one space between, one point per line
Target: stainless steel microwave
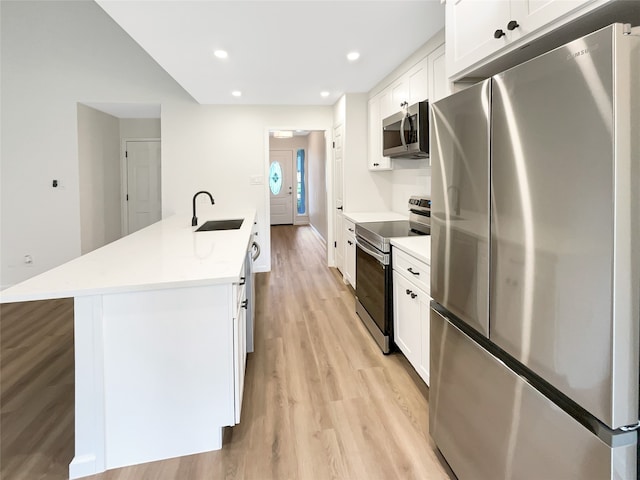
406 134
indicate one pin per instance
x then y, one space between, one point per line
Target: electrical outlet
256 180
28 259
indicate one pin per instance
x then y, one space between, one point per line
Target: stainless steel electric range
374 290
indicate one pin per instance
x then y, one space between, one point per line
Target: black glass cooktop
378 234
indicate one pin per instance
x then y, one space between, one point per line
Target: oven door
372 268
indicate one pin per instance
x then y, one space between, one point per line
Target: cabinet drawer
349 227
412 269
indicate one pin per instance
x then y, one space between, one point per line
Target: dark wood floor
320 402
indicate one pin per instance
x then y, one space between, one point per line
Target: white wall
219 149
318 183
140 128
364 190
56 54
99 173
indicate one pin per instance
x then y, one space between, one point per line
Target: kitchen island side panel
157 380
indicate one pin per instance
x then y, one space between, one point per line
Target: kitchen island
160 340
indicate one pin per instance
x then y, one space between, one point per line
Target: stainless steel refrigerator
535 273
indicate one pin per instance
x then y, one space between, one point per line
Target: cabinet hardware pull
408 292
243 280
499 33
244 303
339 208
349 242
410 270
413 295
512 25
376 164
351 230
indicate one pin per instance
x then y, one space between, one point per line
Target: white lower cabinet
240 304
411 313
350 252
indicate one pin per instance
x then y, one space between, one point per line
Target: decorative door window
275 177
301 192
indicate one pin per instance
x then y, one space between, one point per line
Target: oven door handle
377 255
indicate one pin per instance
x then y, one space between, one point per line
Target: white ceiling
280 52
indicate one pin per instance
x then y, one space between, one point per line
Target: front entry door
281 186
143 184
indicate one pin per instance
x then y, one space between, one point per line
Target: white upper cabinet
399 94
438 82
374 155
418 82
476 29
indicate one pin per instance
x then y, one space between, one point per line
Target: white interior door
143 184
338 197
281 186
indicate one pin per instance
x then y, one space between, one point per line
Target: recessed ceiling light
324 94
236 93
353 56
221 54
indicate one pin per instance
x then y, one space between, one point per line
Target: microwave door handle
402 139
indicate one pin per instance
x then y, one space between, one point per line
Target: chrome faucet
456 198
194 219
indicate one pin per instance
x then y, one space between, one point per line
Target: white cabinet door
438 80
406 318
386 103
240 352
470 28
530 15
418 79
374 155
399 94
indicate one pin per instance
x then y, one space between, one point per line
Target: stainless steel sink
212 225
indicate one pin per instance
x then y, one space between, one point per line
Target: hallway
320 401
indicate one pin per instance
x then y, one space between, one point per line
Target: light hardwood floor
320 402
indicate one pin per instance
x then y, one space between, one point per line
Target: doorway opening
297 167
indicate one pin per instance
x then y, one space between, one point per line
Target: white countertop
167 254
418 246
362 217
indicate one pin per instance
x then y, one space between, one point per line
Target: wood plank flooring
320 402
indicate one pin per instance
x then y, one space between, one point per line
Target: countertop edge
401 244
46 290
